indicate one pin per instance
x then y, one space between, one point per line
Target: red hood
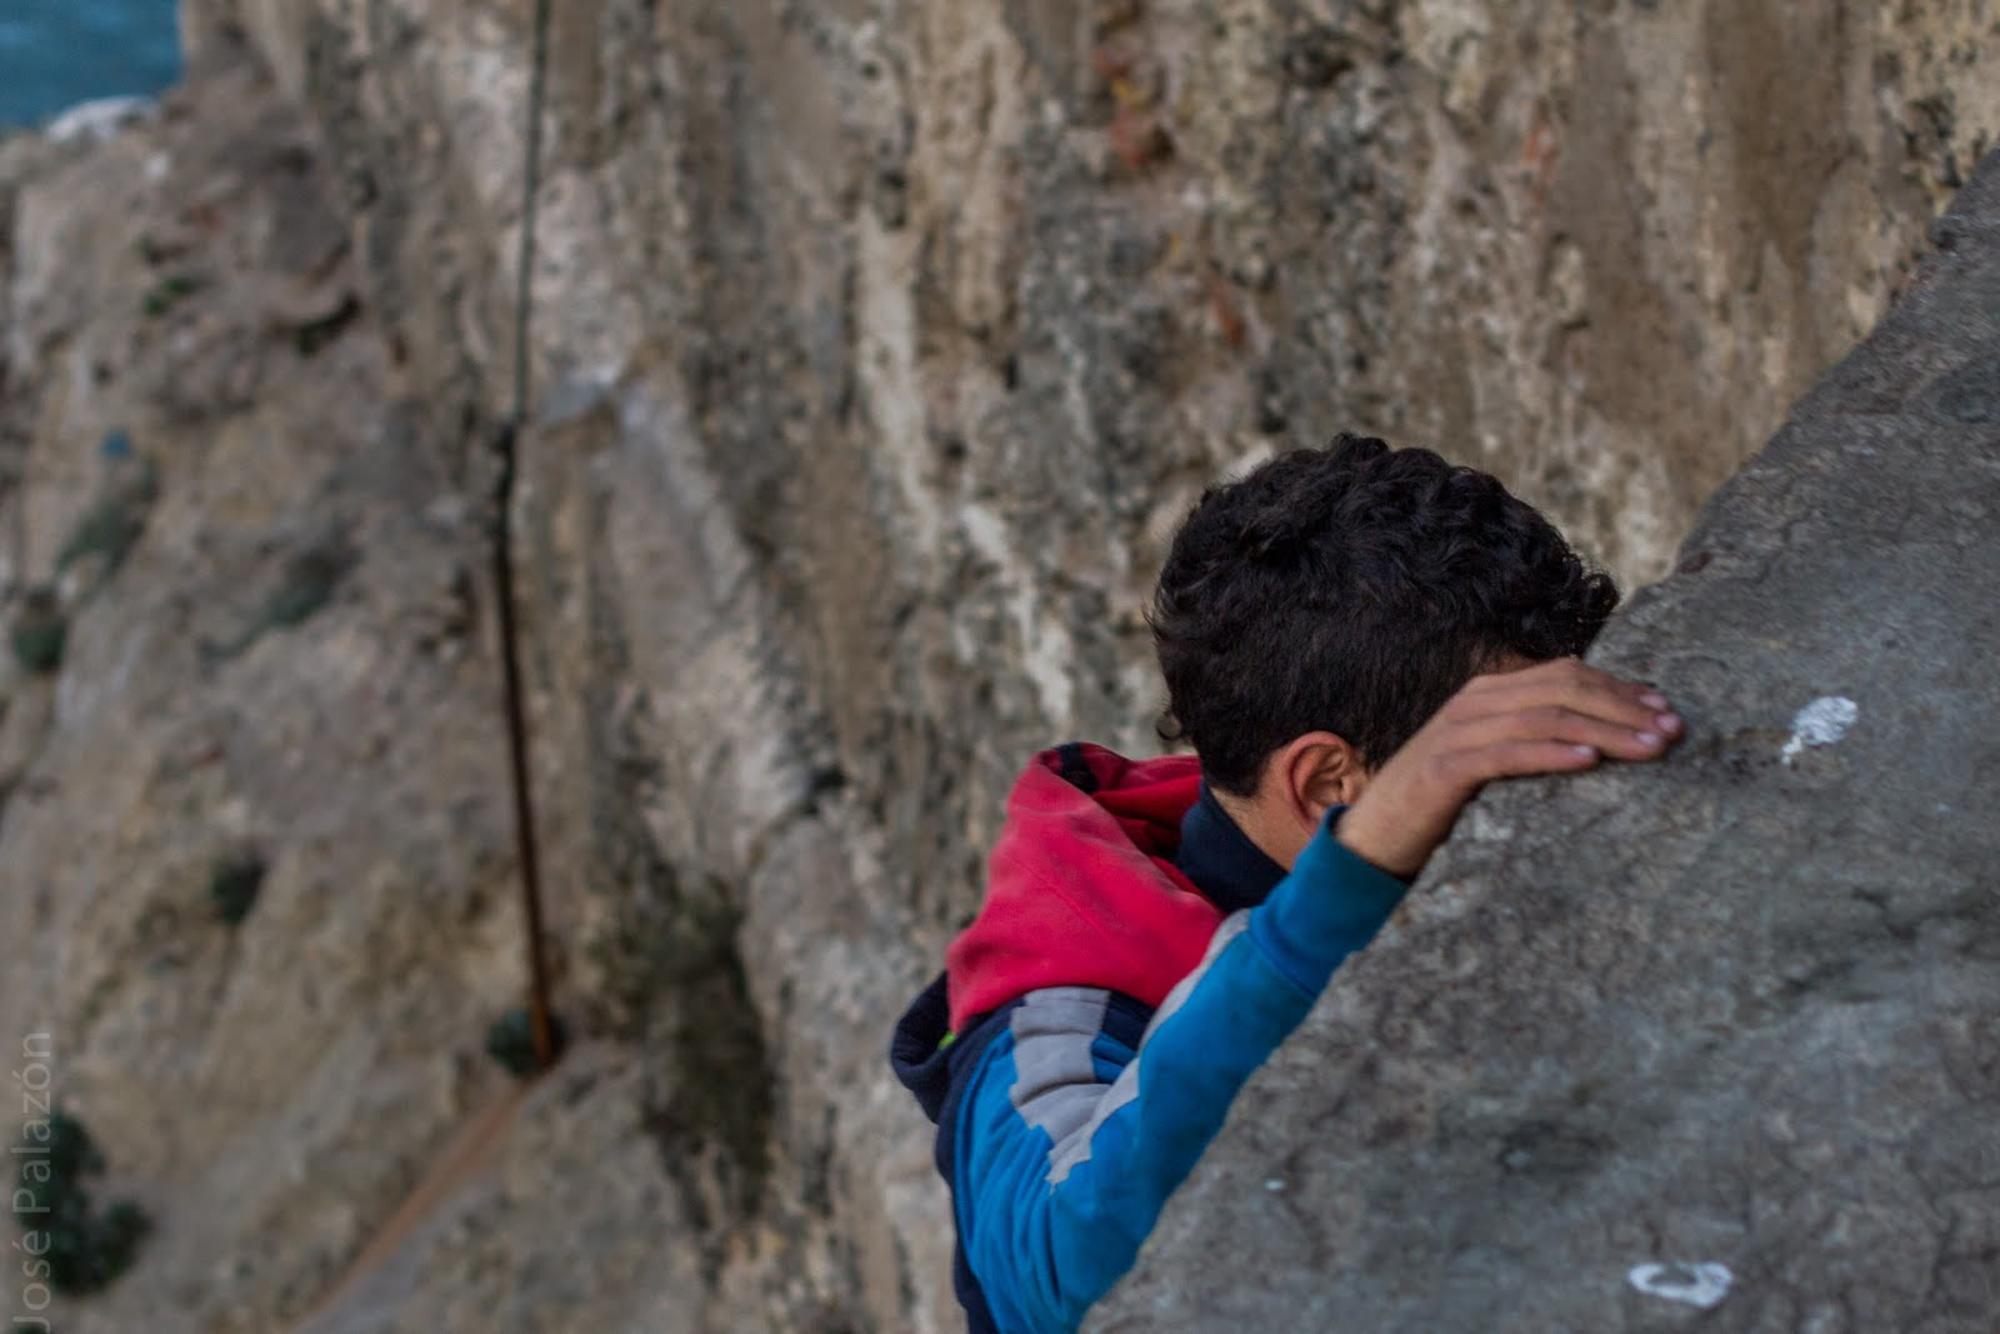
1080 891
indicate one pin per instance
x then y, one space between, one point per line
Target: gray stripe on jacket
1056 1084
1057 1087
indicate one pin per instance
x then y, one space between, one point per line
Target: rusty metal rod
541 1026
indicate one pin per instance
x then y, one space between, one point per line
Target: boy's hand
1554 717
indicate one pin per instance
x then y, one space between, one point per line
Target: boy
1354 641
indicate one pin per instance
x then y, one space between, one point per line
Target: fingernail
1588 752
1649 738
1669 722
1653 699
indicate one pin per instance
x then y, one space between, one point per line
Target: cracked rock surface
1741 1009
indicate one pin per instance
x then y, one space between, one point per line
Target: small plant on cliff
110 528
84 1249
308 584
40 633
169 292
233 886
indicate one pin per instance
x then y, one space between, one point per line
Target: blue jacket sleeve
1068 1143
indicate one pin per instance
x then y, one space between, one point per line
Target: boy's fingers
1639 739
1519 759
1583 690
1567 677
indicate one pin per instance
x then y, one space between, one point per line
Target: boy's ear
1317 771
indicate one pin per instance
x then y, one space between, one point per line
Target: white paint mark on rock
1703 1285
1820 723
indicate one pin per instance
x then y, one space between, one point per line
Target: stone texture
1742 1008
878 347
286 664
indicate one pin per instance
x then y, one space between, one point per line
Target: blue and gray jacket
1068 1112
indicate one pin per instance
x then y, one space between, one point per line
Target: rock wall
877 349
1719 1033
272 682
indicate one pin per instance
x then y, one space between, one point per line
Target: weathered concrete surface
1742 1008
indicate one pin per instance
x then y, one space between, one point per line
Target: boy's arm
1065 1158
1067 1149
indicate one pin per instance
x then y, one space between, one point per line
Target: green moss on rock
111 527
170 291
86 1249
308 584
233 886
39 634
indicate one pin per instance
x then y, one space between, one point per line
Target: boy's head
1313 615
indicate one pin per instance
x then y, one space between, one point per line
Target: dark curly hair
1354 590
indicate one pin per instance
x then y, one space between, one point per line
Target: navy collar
1231 872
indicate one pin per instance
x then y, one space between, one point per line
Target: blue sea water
56 53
